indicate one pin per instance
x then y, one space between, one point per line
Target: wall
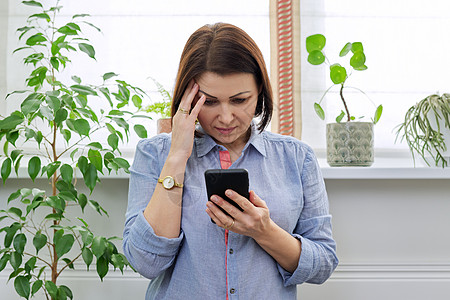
392 235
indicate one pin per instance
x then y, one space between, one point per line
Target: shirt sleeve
148 253
318 257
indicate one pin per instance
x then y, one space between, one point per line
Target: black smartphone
219 180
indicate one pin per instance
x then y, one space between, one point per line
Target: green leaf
346 49
90 177
6 169
102 267
4 260
140 131
113 141
51 168
15 260
83 164
96 159
34 166
39 241
67 30
83 89
52 289
378 113
81 126
60 116
123 163
22 286
32 3
357 46
315 42
36 287
319 111
66 173
316 57
137 101
87 257
16 211
339 118
66 291
109 75
82 200
41 16
35 39
88 49
99 246
54 62
358 60
19 242
64 244
338 74
12 121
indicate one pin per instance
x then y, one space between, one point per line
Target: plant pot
164 125
350 144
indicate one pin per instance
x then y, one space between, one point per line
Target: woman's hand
183 123
254 221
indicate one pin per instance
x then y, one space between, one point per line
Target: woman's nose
226 114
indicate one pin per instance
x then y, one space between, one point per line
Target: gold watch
169 183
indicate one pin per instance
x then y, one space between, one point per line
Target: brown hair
224 49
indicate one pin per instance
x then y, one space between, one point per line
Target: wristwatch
169 183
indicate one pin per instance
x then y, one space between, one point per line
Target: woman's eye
239 100
210 101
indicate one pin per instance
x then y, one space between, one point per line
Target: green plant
161 108
423 131
63 124
338 74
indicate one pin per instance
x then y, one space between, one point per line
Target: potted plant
162 109
72 130
350 142
426 129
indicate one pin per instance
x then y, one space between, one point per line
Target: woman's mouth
225 131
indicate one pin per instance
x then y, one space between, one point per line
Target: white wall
393 242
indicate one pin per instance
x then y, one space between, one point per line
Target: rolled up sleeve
318 257
148 253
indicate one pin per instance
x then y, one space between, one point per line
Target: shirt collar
204 144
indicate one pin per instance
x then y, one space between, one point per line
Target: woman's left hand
254 221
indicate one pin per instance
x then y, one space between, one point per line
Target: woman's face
229 107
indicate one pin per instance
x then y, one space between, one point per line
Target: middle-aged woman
283 235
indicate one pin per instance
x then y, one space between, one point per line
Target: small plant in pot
426 129
67 132
349 142
162 109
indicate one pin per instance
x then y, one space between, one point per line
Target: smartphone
219 180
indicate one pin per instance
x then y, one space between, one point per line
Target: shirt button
232 291
231 251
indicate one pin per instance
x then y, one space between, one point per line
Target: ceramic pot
350 144
164 125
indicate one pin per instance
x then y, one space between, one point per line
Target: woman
283 235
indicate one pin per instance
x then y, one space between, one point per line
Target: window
140 39
406 46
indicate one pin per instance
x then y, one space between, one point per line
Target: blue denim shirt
283 171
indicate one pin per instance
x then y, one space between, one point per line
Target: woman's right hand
183 123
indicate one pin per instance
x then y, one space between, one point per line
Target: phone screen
219 180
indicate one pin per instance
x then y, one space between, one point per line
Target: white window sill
385 169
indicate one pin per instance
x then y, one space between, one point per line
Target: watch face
168 182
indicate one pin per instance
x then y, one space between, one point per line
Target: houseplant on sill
349 143
162 109
64 129
426 129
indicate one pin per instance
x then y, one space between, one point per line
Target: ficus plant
72 130
339 74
